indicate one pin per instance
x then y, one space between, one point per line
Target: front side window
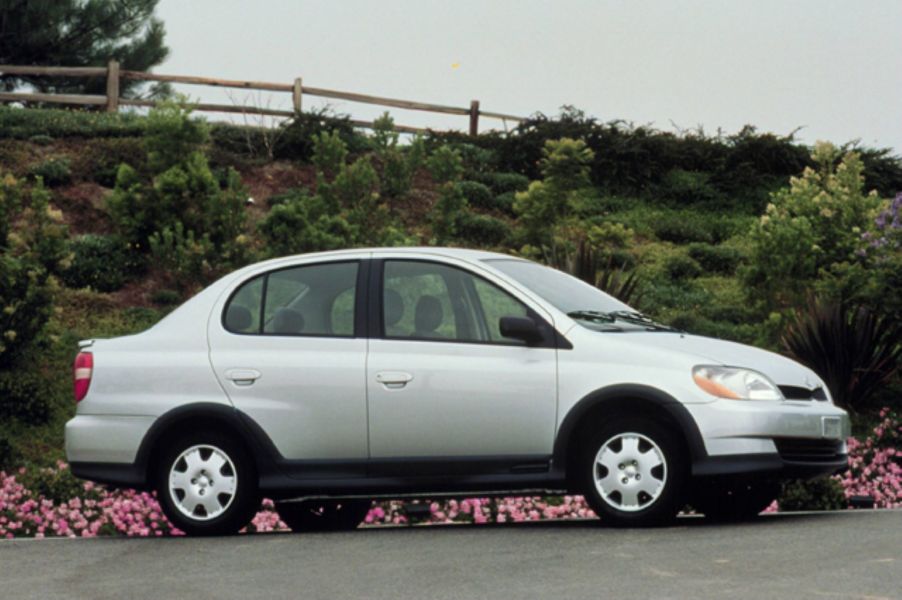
313 300
431 301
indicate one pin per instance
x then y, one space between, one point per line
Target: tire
633 472
736 501
323 515
207 484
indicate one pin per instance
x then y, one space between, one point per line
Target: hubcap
202 482
630 471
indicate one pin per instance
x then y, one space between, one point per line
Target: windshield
582 302
567 293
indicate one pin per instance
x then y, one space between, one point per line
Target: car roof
459 253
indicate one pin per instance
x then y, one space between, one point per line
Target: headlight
735 383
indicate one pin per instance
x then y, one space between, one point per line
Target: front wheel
323 515
207 484
633 471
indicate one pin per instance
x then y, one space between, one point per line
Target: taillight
81 374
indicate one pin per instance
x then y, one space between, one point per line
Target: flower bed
58 505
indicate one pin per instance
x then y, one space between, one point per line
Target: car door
442 381
289 352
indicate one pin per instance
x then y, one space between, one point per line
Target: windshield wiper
628 316
598 318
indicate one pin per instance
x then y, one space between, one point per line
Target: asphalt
851 554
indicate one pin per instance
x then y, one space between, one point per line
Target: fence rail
112 100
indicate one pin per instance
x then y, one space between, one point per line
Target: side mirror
520 328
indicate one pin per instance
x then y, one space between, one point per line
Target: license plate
832 427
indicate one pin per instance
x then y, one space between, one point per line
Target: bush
677 228
295 141
477 195
53 171
41 140
303 224
19 123
854 350
680 267
9 458
101 262
24 395
445 165
101 158
687 187
715 259
482 230
813 226
823 493
165 297
503 183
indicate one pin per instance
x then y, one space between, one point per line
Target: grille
793 392
807 450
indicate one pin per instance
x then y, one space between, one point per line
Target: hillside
667 222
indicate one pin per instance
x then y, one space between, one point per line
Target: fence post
474 117
296 95
112 86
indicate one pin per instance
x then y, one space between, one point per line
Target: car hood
781 370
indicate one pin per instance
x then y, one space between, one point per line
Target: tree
80 33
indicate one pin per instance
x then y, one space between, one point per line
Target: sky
830 67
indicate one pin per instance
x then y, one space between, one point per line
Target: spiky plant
852 348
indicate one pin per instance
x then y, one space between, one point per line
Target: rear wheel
207 484
323 515
632 472
736 501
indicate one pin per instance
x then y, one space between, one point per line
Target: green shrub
677 228
55 484
172 136
445 165
101 262
329 153
687 187
446 213
41 140
812 227
19 123
481 230
303 224
477 195
183 256
9 457
24 395
295 141
100 159
286 196
165 297
823 493
503 183
715 259
53 171
680 267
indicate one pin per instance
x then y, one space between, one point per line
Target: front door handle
243 376
394 379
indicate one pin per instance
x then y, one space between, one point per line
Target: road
825 555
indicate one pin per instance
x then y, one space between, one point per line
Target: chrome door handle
394 379
243 376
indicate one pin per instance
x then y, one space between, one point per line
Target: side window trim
363 284
376 329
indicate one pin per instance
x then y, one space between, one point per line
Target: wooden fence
112 100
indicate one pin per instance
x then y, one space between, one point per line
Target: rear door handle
394 379
243 376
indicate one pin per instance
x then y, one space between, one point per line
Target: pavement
848 554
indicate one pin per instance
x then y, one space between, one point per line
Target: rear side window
315 300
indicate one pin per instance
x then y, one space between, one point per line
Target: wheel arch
618 401
205 415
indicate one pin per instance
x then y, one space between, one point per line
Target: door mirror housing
520 328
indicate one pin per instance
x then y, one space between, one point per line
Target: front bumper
786 439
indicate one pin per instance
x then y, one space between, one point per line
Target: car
323 381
